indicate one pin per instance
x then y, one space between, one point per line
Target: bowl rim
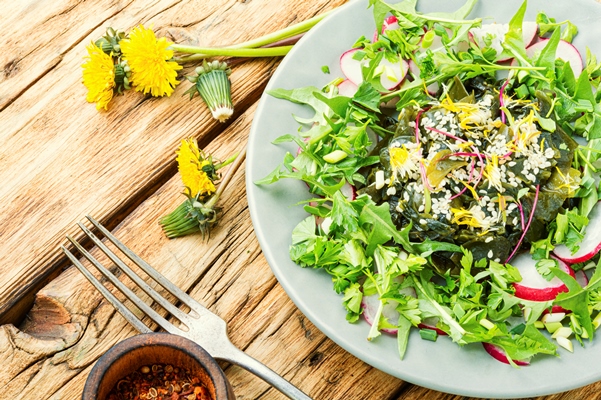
223 389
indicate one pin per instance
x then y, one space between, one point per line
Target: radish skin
347 88
499 354
533 286
349 191
430 323
390 23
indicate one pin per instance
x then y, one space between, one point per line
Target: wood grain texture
60 158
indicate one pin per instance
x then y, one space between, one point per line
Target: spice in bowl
160 382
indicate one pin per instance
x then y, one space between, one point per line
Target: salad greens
425 205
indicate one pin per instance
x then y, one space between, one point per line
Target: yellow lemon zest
461 216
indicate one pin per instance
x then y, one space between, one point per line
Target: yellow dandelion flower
148 58
98 76
190 162
404 161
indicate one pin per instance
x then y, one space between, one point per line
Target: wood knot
315 358
10 68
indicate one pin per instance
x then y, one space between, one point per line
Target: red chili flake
160 382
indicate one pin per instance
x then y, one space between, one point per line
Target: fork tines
153 273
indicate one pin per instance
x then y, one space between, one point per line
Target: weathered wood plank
60 158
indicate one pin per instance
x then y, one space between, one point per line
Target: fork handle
238 357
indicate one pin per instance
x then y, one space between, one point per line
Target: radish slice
351 68
373 138
533 286
581 278
565 51
529 31
498 31
349 191
414 69
591 243
390 23
500 355
415 73
430 323
392 73
347 88
370 305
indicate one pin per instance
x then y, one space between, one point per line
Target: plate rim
253 194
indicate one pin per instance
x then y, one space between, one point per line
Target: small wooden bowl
155 348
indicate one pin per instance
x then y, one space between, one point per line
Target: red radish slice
347 88
392 73
581 278
390 23
349 191
351 68
590 245
529 31
498 31
430 323
533 286
415 73
370 305
414 69
500 355
373 138
565 51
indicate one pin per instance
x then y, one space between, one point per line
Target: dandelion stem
250 48
227 177
229 52
292 30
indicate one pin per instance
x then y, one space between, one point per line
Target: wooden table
61 159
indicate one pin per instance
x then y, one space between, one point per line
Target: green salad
454 171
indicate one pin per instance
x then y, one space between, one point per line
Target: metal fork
202 326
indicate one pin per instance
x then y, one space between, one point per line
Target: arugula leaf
514 41
304 231
427 247
377 221
305 96
547 55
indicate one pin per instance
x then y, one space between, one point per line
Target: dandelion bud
213 85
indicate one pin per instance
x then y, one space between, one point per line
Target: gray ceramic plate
440 365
